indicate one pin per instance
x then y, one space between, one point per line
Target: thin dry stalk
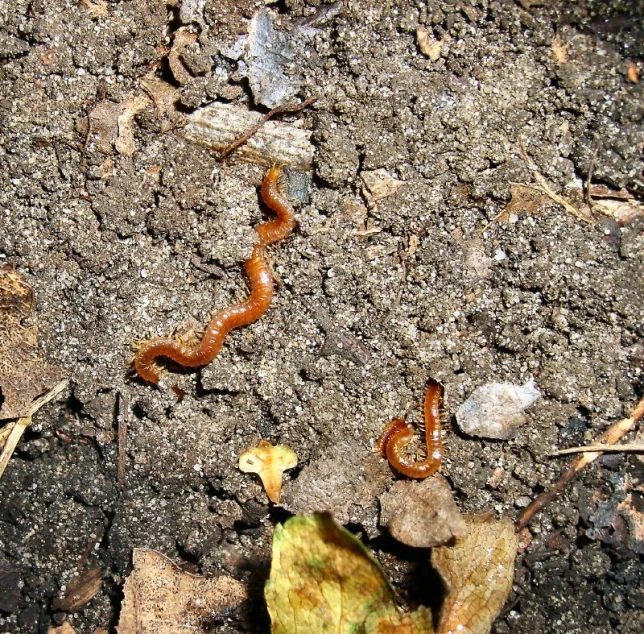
611 436
19 426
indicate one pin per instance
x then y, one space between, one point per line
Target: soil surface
373 297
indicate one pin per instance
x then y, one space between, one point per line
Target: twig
122 437
247 135
635 447
589 177
21 424
613 434
545 188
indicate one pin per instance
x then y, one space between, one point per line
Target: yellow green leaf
324 580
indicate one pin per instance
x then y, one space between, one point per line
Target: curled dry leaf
422 514
478 572
428 45
113 123
129 109
103 125
165 97
496 410
324 580
269 462
23 372
622 211
80 591
161 598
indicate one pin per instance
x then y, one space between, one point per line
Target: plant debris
496 410
161 598
65 628
80 591
478 572
183 38
612 435
218 126
11 434
428 45
323 579
378 184
24 374
111 125
269 462
422 514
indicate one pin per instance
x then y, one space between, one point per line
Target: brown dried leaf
103 121
217 125
478 573
124 143
161 598
525 199
23 372
422 514
96 9
269 462
632 73
80 591
629 509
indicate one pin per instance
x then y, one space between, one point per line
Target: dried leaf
165 97
496 410
422 514
80 591
23 372
378 184
324 580
269 57
161 598
559 50
269 462
630 510
428 45
525 199
129 109
631 73
478 573
96 8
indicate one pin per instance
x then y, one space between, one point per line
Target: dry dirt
427 281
